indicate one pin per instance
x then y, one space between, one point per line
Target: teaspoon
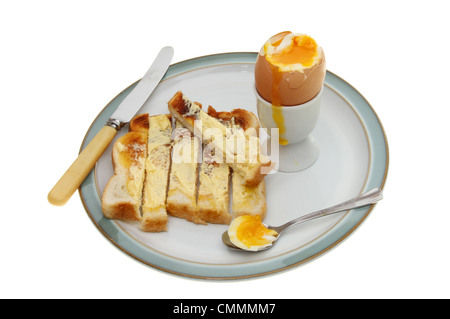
370 197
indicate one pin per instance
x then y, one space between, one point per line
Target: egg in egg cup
289 75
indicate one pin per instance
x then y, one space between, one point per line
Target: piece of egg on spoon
290 69
247 232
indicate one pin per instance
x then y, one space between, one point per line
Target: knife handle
78 171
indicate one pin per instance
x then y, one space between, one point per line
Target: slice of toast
246 200
182 193
242 151
122 196
213 191
157 165
214 177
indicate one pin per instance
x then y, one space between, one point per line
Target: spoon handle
370 197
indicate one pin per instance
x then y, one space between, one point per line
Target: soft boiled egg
290 69
248 232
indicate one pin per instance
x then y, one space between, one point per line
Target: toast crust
240 117
140 123
155 221
124 210
184 210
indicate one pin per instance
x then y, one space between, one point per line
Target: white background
63 61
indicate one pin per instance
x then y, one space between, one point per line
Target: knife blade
134 101
82 166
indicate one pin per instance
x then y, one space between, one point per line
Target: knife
81 167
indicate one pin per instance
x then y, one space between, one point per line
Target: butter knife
81 167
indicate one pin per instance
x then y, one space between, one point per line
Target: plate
353 159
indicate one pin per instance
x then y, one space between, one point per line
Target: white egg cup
302 149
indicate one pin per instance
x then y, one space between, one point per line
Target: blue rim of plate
377 174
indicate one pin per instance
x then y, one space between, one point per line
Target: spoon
370 197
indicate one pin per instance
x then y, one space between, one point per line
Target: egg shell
295 87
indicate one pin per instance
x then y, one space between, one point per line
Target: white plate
353 158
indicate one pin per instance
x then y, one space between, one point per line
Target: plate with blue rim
354 157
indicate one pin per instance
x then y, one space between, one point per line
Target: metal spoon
370 197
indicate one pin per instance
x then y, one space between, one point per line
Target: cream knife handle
78 171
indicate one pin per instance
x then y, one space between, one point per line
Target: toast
241 151
157 170
122 196
182 193
246 200
140 123
213 191
157 165
215 175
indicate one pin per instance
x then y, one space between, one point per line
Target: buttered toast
246 200
157 165
122 196
250 163
141 160
182 194
162 168
213 191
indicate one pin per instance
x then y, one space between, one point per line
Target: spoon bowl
368 198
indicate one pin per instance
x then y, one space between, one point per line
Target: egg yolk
251 231
277 115
302 49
